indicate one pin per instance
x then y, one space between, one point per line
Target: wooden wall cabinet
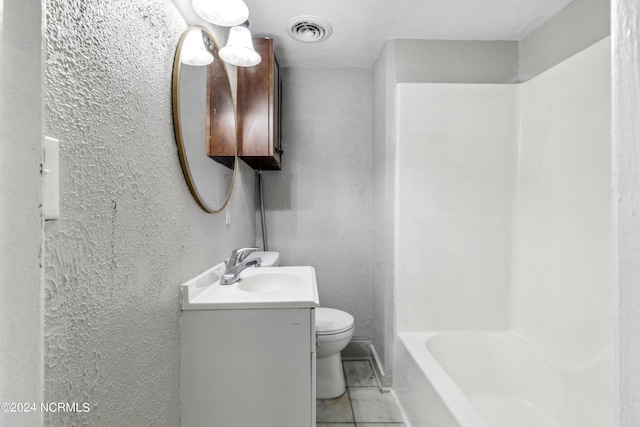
221 136
259 110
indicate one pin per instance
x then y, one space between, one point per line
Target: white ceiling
360 27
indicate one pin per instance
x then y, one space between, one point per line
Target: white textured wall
319 204
21 118
579 25
626 173
562 290
130 231
456 157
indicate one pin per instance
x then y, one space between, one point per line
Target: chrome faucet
236 264
239 255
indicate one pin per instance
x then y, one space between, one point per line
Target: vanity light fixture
225 13
194 52
239 49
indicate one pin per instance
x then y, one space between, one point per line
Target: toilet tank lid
331 320
269 258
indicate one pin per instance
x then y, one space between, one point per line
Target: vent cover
309 29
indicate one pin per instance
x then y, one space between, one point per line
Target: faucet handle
255 262
239 255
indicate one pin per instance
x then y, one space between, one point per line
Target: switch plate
51 175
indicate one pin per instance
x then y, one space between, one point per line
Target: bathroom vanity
248 349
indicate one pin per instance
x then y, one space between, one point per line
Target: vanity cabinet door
248 368
259 110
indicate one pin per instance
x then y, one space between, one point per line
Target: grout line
344 372
373 368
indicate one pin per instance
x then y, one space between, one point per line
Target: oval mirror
204 119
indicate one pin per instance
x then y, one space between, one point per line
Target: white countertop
262 287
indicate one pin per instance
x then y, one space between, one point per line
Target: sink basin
270 282
263 287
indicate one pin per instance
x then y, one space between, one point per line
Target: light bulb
226 13
194 51
239 49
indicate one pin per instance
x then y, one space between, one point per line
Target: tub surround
541 255
562 235
456 156
427 61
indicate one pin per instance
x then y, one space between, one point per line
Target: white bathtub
498 379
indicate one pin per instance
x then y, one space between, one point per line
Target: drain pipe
264 225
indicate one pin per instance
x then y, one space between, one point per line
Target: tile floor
362 405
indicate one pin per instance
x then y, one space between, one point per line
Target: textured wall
626 174
21 118
576 27
319 205
455 61
130 232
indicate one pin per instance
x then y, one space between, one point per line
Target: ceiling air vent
309 29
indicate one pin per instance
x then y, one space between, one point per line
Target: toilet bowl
334 329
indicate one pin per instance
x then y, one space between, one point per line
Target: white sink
263 287
272 281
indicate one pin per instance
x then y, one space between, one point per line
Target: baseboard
365 350
356 350
378 370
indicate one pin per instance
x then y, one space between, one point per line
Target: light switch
51 174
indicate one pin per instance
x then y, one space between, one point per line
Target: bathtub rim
456 402
415 345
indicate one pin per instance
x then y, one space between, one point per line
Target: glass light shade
226 13
194 52
239 49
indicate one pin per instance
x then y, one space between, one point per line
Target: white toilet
334 329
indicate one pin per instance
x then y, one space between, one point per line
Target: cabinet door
247 368
259 103
314 347
277 111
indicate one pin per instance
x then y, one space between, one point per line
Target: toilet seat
330 321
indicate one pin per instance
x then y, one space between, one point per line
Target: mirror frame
177 123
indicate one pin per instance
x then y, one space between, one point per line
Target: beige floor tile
371 406
336 410
359 373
